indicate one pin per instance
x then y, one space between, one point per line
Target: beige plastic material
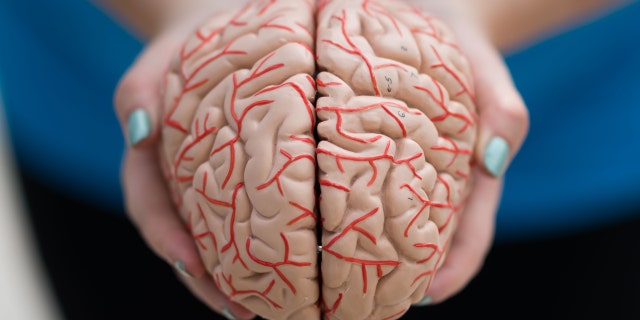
367 154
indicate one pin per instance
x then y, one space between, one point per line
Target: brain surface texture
319 153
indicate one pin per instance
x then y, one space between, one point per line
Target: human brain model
319 153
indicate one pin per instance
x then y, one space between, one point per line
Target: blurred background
568 229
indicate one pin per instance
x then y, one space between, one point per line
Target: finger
138 98
471 242
206 291
149 205
503 117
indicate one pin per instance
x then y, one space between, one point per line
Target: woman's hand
138 104
503 125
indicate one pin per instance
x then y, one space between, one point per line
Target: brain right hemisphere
344 126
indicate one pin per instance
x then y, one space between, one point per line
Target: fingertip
138 126
492 153
186 260
504 124
439 290
140 120
168 237
426 301
503 115
138 104
449 281
182 270
495 156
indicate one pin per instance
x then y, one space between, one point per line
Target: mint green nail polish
424 302
495 156
138 126
227 313
181 268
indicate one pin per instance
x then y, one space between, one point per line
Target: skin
481 28
516 23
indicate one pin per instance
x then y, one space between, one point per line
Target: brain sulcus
319 153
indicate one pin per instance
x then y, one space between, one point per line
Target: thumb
138 97
503 117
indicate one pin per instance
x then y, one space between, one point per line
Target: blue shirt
579 165
578 168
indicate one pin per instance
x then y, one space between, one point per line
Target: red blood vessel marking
305 29
266 7
432 32
207 233
454 149
257 73
182 155
270 24
232 233
363 262
329 311
338 110
371 159
464 88
425 203
327 84
432 272
328 183
234 21
187 79
303 139
300 93
391 65
454 208
370 6
355 50
305 213
432 246
232 243
276 265
468 122
235 292
291 160
203 191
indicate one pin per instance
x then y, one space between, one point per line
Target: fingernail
227 313
424 302
180 267
138 126
495 156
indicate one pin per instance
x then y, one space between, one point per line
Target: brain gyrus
343 125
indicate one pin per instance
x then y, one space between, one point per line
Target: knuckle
512 106
127 89
513 110
520 116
